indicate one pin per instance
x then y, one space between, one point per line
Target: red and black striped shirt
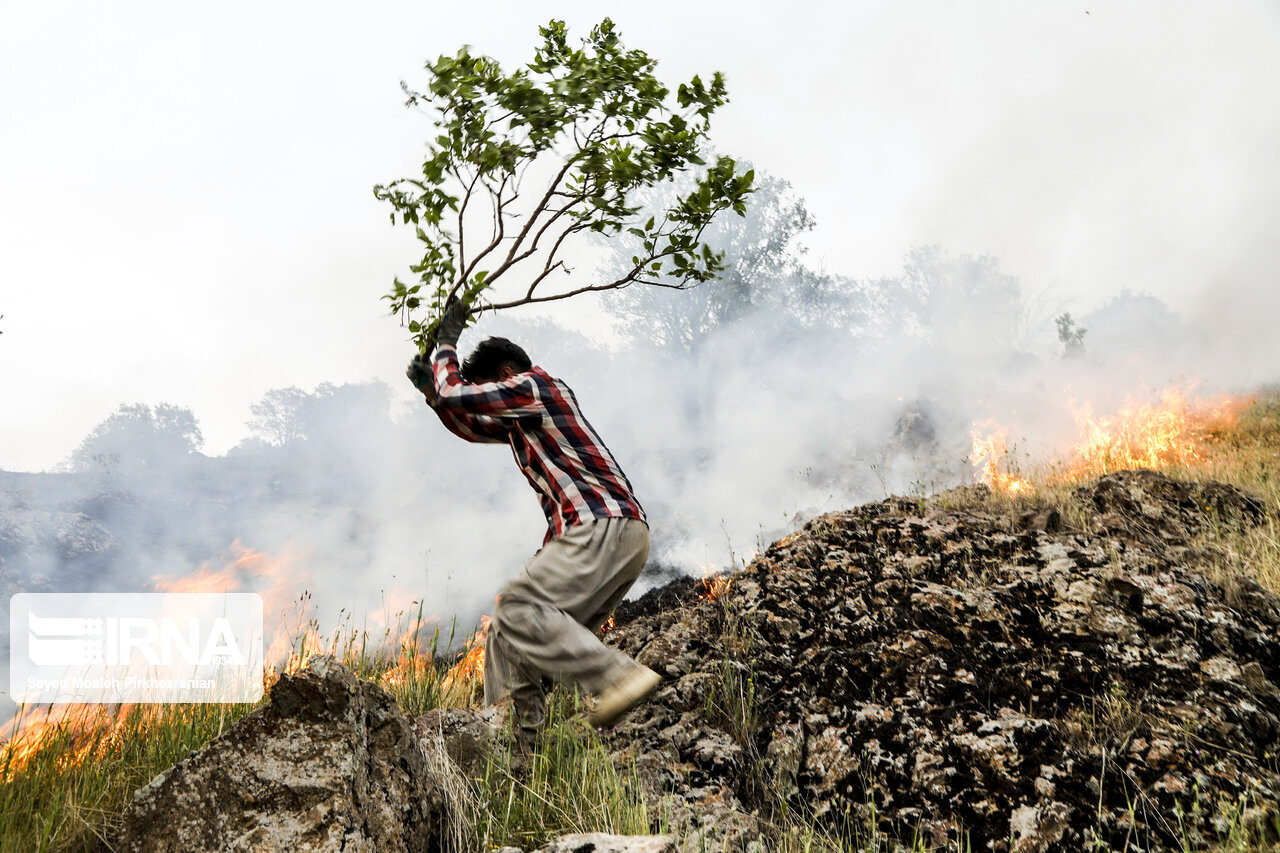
576 477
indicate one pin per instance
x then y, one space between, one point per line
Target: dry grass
1248 456
1244 452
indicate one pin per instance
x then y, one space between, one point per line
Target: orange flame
467 674
76 732
1177 430
717 586
86 727
1174 431
295 637
713 584
413 664
990 456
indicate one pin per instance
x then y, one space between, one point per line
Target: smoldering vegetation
739 409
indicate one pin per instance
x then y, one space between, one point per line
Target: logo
121 647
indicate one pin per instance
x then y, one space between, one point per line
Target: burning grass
1176 432
1229 440
71 771
66 771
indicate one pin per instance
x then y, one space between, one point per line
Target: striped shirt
576 477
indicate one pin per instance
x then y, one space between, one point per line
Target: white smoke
817 392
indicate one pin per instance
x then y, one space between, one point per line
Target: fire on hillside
1174 430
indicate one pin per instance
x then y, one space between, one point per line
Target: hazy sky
186 212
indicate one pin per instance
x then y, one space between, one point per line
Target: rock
905 670
598 843
330 764
469 737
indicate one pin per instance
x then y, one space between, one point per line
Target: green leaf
594 104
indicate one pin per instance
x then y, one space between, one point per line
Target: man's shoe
623 695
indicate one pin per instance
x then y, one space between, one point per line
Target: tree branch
537 211
462 209
498 233
529 300
548 266
512 259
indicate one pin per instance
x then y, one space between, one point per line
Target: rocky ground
904 669
945 675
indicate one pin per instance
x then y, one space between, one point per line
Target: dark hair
488 357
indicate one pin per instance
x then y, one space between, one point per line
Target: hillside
1093 665
958 677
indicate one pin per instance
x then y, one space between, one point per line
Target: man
544 621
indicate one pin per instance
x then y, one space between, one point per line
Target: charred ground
949 671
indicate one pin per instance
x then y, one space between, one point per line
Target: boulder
330 764
599 843
469 737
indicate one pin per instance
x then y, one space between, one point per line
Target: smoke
737 410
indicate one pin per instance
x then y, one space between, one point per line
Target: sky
186 213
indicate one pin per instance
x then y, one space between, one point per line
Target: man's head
495 359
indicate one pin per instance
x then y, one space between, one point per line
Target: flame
713 584
73 734
274 578
25 734
86 728
467 674
1176 430
609 625
295 637
76 733
990 456
413 664
714 587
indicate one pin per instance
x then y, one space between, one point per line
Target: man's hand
451 324
420 374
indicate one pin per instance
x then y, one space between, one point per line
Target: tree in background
1070 336
766 271
277 417
965 301
137 438
334 443
1138 329
591 127
330 415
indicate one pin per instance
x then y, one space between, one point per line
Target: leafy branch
589 127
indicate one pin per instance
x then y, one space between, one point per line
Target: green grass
66 777
69 791
569 784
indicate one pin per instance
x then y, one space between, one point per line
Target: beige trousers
545 620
